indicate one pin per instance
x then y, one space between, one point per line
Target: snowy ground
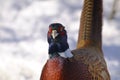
23 28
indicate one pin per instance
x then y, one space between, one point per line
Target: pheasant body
96 65
85 65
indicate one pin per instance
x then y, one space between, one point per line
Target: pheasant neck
91 24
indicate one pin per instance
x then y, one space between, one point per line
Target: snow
23 29
111 33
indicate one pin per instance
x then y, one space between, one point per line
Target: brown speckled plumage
93 58
91 24
88 61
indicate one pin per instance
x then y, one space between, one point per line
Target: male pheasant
87 61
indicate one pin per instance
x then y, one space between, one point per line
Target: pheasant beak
54 34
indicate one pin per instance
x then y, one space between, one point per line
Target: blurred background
23 29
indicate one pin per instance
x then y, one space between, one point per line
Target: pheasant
87 61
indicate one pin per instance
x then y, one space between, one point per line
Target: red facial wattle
60 30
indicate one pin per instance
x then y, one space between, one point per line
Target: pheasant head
57 39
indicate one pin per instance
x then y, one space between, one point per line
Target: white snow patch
113 67
40 8
111 35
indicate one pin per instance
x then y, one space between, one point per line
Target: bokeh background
23 29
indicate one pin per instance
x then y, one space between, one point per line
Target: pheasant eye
60 29
50 30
